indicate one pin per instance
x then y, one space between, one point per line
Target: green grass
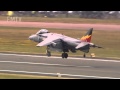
23 76
66 20
15 39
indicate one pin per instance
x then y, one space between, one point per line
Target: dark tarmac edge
74 56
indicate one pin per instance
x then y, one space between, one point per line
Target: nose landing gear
48 53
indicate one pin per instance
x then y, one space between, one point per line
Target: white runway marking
43 64
56 74
60 57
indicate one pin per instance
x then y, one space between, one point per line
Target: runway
77 26
53 66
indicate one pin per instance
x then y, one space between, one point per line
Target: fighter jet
63 43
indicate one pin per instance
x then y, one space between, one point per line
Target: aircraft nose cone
31 37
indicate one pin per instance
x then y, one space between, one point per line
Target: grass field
16 39
66 20
22 76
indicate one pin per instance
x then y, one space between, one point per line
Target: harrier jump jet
62 43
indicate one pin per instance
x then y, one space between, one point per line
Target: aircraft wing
49 40
98 46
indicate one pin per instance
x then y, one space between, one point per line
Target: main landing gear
84 55
64 55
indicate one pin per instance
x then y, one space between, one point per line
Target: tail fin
87 36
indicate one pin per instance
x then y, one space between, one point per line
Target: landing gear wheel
48 53
84 55
64 55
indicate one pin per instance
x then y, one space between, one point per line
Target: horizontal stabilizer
93 45
82 44
98 46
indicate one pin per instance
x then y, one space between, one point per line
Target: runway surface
54 66
60 25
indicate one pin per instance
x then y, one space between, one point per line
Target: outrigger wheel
84 55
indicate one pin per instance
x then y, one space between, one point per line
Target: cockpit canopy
41 31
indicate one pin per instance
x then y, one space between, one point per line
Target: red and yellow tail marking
86 38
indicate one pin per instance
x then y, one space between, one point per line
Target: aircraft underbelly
73 44
56 47
85 48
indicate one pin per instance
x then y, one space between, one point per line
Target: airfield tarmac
60 25
85 68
